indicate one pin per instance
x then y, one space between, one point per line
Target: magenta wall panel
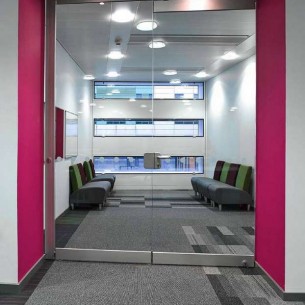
60 121
270 151
30 134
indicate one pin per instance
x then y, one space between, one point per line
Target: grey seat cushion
105 177
91 193
194 182
203 184
222 193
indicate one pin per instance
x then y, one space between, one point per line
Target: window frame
152 170
150 136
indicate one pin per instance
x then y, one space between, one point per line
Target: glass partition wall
146 118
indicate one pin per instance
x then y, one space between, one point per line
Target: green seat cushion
75 178
88 171
244 177
224 172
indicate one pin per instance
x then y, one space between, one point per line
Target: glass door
189 226
104 73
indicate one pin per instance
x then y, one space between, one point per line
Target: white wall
137 146
8 140
231 134
295 147
74 95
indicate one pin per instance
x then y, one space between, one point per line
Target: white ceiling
88 34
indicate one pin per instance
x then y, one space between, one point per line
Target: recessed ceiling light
115 55
92 104
89 77
147 25
229 56
188 104
143 106
122 15
175 81
157 44
101 107
170 72
201 74
80 112
82 101
232 109
113 74
102 3
132 100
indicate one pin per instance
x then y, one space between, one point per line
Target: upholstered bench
83 192
92 177
230 185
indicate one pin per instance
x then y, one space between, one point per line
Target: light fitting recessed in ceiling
102 3
122 15
115 55
157 44
201 74
143 106
92 104
113 74
170 72
230 56
89 77
147 25
175 81
132 100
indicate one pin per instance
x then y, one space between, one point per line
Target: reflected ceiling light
188 104
170 72
108 93
122 15
150 110
113 74
101 107
82 101
229 56
232 109
115 91
175 81
157 44
92 104
115 55
201 74
89 77
132 100
80 112
147 25
143 106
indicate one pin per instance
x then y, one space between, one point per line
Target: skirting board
285 296
16 288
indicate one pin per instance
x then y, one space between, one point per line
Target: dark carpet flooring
74 283
171 221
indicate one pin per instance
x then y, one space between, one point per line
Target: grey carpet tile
75 283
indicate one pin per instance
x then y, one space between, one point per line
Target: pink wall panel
270 152
30 134
60 120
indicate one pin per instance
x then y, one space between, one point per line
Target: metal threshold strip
156 258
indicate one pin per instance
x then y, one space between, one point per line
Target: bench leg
195 193
220 207
72 206
100 206
249 207
212 204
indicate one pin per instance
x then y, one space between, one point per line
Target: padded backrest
75 178
232 174
88 171
243 179
92 168
82 173
224 172
217 171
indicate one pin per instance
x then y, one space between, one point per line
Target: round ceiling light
89 77
201 74
157 44
170 72
148 25
113 74
115 55
230 56
175 81
122 15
